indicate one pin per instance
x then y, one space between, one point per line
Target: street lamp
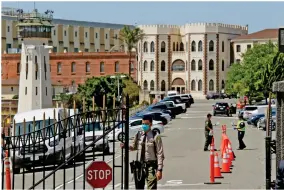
118 89
281 39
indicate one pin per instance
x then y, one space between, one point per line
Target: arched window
163 85
200 65
193 85
145 66
102 67
200 85
193 46
211 45
211 85
59 68
177 46
152 85
223 65
200 45
163 46
193 65
178 65
181 47
18 68
116 66
152 66
152 49
223 46
145 47
163 66
211 65
145 85
174 46
223 84
73 67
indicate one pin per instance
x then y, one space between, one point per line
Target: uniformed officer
241 127
152 154
208 129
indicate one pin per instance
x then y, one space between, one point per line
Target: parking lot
186 165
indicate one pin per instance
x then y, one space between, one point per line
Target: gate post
126 156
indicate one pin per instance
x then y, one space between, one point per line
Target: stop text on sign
98 174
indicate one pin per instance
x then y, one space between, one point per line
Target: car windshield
93 127
30 127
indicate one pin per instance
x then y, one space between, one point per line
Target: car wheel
174 116
184 111
157 131
164 121
121 137
60 158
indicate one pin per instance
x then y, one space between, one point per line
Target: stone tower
35 91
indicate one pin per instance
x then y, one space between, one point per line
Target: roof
263 34
78 23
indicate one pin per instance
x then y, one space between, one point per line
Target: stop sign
98 174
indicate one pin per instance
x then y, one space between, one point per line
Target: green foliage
132 90
261 66
68 100
16 96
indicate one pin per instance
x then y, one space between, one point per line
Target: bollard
7 172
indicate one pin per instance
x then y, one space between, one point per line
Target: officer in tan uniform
150 147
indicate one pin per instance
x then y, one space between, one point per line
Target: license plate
221 108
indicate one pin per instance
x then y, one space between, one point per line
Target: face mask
145 127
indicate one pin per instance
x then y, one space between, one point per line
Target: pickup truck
176 103
185 100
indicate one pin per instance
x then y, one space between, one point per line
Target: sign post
98 174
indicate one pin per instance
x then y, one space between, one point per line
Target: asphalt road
186 164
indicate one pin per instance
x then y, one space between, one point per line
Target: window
86 50
54 32
193 85
211 65
163 66
223 65
145 66
193 46
86 34
75 33
145 47
248 46
96 35
200 65
8 29
152 66
131 66
238 48
145 85
73 67
181 47
200 85
102 67
193 66
178 66
238 60
26 90
152 85
12 89
211 45
35 59
174 46
58 67
36 71
211 85
115 36
54 49
106 36
64 32
116 66
18 68
177 46
88 68
152 48
76 50
163 46
44 61
36 91
200 45
163 85
223 84
223 46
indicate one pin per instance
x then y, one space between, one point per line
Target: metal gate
54 153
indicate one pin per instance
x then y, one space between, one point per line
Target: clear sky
258 15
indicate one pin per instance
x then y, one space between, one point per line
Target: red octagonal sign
98 174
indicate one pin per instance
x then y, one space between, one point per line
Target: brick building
67 69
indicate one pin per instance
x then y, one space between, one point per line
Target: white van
49 150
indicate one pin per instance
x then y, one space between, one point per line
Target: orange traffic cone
228 157
212 178
217 170
231 154
8 172
225 164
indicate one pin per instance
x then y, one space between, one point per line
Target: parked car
158 116
251 110
176 103
176 110
179 98
161 107
189 96
221 108
254 119
262 123
212 95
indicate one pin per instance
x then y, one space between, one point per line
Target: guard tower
34 30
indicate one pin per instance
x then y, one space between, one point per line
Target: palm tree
131 37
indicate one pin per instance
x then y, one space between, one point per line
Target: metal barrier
54 154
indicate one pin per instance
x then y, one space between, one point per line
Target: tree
261 66
131 37
131 89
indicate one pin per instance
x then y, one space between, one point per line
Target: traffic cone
225 164
7 172
228 157
212 178
217 170
231 154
